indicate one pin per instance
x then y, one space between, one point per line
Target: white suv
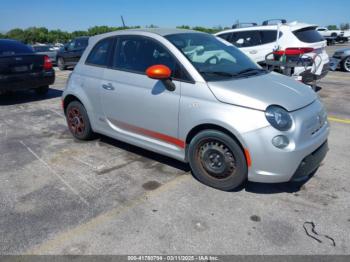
335 35
257 41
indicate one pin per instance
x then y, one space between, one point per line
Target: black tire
217 160
78 121
345 64
61 63
43 90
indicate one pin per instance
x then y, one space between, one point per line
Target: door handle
253 52
108 87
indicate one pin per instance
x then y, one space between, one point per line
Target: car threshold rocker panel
132 130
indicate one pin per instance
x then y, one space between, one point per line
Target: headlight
278 117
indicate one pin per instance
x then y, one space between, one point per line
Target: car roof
157 31
165 31
293 26
10 41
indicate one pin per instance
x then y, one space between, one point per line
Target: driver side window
136 54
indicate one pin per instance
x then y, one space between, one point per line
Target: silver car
198 99
341 58
46 50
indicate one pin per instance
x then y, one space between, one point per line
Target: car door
69 52
93 70
268 43
135 106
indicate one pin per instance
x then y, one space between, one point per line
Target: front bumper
310 163
334 63
26 81
272 165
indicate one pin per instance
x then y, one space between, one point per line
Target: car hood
258 92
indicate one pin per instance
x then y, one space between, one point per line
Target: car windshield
213 58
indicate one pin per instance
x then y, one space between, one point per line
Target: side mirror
160 72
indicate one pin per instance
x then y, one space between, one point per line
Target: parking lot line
55 173
339 120
104 217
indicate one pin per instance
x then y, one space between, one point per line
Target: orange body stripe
150 133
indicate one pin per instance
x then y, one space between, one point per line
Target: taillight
294 51
47 63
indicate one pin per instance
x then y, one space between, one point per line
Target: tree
17 34
332 27
183 27
345 26
79 33
96 30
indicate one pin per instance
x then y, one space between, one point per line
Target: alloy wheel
347 64
76 122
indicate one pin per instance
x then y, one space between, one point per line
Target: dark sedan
22 69
69 55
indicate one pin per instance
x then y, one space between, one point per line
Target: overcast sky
73 15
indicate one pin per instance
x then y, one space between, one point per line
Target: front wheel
217 160
78 121
345 64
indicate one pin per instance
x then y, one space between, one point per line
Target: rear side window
136 54
8 47
308 35
269 36
246 38
99 54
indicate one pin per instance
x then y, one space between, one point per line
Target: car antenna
123 21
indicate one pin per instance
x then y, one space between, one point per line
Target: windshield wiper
218 73
251 70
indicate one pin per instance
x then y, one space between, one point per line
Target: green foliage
183 27
33 35
332 27
202 29
345 26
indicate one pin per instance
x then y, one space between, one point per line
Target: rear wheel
78 121
217 160
61 64
42 90
345 64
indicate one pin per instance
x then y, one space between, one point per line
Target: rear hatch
310 38
19 64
